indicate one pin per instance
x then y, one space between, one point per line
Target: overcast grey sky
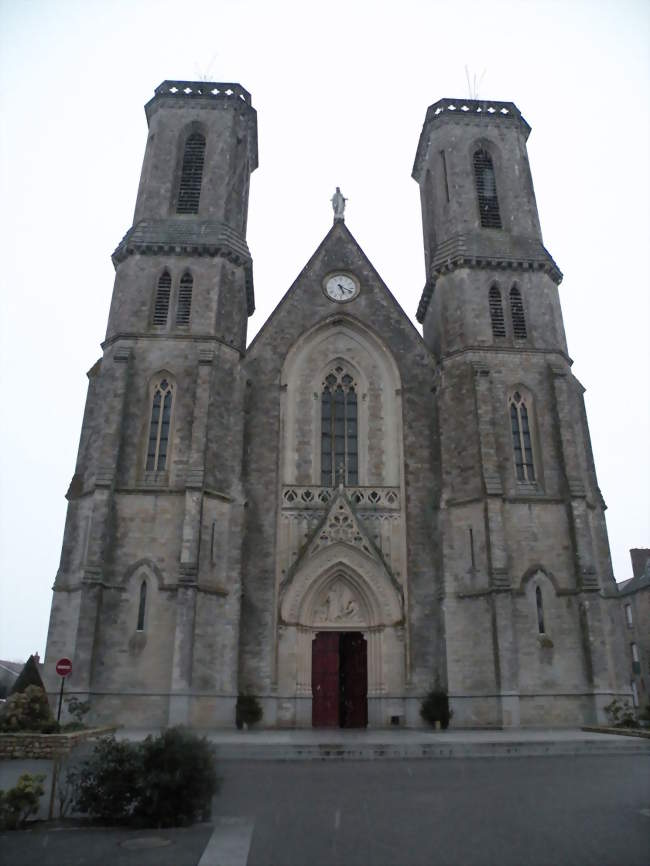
341 91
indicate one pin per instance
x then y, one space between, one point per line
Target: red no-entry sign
64 667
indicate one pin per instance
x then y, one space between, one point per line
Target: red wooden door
325 680
353 654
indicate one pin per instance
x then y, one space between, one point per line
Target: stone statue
338 204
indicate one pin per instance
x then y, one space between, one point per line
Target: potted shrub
248 711
434 708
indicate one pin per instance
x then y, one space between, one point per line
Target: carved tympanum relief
338 604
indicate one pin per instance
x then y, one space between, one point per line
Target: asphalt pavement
522 811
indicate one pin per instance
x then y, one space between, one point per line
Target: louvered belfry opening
189 191
184 306
496 313
517 314
161 305
486 189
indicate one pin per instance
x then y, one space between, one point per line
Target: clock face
341 287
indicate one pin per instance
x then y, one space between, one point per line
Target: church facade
343 514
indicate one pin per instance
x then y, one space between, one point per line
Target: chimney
639 557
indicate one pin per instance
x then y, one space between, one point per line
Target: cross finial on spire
338 204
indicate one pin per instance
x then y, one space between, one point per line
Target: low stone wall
32 746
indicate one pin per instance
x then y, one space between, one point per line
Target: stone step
337 751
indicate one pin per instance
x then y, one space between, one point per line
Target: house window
159 426
522 445
189 190
161 304
517 314
540 610
486 190
496 313
184 304
339 449
142 605
628 615
635 693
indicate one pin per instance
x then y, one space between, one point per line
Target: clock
341 287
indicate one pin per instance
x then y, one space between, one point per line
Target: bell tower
521 517
152 537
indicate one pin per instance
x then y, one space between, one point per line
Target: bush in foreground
21 802
165 781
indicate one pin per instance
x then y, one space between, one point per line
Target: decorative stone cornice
190 236
466 111
496 251
208 95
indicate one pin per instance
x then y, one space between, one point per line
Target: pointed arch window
161 304
522 445
517 314
486 190
496 313
339 430
540 610
142 604
159 426
184 303
189 191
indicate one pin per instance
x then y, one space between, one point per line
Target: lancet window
184 302
159 426
540 610
488 203
517 314
189 191
142 604
496 313
161 304
339 426
522 445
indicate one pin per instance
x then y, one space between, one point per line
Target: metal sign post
63 669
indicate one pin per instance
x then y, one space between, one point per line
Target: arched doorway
339 680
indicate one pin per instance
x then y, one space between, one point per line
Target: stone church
342 514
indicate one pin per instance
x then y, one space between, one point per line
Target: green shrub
248 711
164 781
435 708
78 710
621 715
179 779
108 783
21 802
28 711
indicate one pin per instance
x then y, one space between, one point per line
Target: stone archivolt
340 577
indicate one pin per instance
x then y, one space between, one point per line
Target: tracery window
488 204
517 314
159 426
142 605
522 444
496 313
189 190
161 304
339 448
184 302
